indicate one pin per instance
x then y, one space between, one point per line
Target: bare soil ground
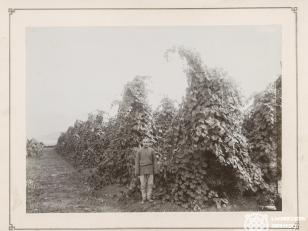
54 186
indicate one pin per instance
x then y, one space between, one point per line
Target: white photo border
12 12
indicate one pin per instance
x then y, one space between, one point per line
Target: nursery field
55 186
217 150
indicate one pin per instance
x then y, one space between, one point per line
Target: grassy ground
54 186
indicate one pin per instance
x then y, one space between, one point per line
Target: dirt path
54 186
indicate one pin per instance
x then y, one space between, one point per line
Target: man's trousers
146 186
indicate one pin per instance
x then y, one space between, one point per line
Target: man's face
146 143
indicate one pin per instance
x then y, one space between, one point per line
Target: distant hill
49 139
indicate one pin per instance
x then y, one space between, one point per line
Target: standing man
145 168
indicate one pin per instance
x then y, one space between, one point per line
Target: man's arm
137 164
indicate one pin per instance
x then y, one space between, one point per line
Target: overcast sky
72 71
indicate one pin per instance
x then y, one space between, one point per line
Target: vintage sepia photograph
153 119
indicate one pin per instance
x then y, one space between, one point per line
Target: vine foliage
210 154
262 127
202 144
34 148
